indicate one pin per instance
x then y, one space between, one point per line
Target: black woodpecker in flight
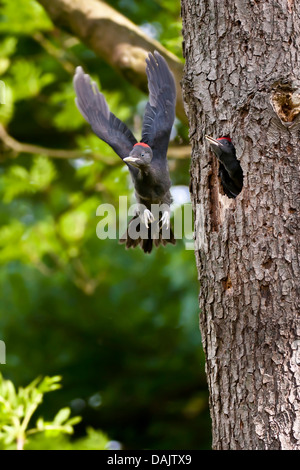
230 170
146 160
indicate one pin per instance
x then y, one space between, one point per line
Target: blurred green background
121 327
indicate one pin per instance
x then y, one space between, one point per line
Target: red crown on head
142 144
226 138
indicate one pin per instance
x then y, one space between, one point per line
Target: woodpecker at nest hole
230 171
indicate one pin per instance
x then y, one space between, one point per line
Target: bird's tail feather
147 243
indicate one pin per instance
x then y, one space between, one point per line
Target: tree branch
55 52
115 38
177 153
20 147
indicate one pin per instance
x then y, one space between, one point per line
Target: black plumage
230 171
146 160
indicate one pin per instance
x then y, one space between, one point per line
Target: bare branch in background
176 153
20 147
115 38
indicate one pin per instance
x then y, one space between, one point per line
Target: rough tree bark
242 79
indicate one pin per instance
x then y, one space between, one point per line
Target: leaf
94 440
25 17
40 424
62 416
27 79
6 102
18 180
72 225
66 117
4 64
42 173
10 393
15 182
8 46
74 420
49 384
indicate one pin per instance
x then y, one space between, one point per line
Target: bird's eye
143 154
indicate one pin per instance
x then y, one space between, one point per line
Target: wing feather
94 108
160 109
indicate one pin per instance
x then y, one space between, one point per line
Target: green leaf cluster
23 17
17 408
18 180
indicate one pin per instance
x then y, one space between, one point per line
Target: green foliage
162 16
18 180
117 325
94 440
18 406
23 17
7 48
6 112
27 79
65 119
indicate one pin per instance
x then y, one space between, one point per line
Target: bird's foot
165 220
147 217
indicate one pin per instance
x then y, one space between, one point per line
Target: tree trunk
242 79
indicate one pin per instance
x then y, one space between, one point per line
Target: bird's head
220 146
140 156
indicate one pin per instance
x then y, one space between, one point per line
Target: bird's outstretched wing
160 110
94 108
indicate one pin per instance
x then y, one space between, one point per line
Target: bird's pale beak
212 141
133 161
130 159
